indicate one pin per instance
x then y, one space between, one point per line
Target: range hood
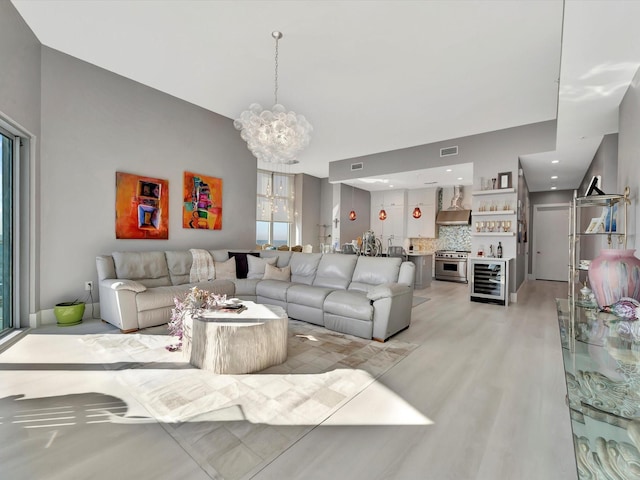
456 214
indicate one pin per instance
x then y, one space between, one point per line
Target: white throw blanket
203 268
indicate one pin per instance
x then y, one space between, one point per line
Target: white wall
95 123
629 155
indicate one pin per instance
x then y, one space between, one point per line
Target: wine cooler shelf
490 280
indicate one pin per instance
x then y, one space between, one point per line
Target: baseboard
35 320
47 317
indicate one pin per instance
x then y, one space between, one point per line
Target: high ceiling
374 76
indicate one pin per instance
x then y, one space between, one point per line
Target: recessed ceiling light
459 178
448 170
390 186
555 177
553 188
555 161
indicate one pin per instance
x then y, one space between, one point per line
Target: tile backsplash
450 237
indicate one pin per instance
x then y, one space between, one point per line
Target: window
274 212
7 146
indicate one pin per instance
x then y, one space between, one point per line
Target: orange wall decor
202 196
142 207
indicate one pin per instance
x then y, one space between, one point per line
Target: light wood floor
489 378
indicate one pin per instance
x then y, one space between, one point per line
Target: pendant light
275 135
382 215
416 212
352 213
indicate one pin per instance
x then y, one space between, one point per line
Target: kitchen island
424 273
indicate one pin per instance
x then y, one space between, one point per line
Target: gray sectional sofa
370 297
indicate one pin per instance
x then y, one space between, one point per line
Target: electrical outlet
88 285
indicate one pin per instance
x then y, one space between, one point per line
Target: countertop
475 257
419 254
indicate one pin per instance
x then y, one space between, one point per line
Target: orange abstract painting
142 207
202 198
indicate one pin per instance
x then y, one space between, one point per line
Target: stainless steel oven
451 265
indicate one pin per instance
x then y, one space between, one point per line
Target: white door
551 242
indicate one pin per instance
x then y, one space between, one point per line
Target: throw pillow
274 273
257 264
226 270
242 266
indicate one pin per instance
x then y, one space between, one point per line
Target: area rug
418 301
233 425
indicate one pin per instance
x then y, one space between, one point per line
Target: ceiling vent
448 151
356 166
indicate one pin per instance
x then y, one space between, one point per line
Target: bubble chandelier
275 135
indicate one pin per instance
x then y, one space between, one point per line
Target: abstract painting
202 197
142 207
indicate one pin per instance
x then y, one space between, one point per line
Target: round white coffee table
236 343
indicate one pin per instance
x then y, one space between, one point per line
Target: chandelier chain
275 92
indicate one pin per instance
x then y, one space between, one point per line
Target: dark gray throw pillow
242 266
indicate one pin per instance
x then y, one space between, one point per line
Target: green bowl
69 313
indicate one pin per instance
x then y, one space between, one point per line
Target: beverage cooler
489 280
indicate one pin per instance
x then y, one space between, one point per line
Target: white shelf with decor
493 234
615 234
495 191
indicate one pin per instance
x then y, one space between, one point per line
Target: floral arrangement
194 302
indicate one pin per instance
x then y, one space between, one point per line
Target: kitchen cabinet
394 226
425 226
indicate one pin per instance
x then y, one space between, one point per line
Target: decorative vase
69 313
614 274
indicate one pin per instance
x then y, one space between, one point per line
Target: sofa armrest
392 305
118 302
388 290
120 284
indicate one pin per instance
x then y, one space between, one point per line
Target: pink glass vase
614 274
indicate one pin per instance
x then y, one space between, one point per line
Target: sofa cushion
226 270
148 268
161 297
335 270
273 289
256 265
179 263
246 287
283 257
308 295
371 271
242 267
219 255
304 266
349 304
274 273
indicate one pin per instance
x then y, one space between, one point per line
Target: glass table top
601 356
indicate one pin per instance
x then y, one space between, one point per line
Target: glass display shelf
494 212
601 358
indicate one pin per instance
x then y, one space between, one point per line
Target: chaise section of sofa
137 289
